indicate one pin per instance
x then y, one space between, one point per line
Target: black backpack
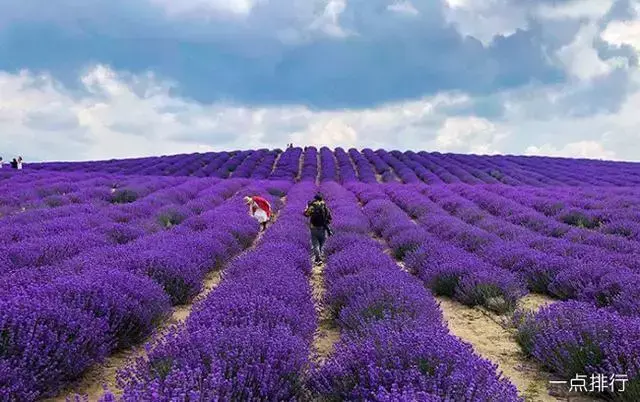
318 214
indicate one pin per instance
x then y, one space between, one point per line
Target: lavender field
147 280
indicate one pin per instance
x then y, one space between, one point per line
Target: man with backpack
320 218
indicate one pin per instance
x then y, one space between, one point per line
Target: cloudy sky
94 79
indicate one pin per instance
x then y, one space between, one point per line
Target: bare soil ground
533 301
493 340
327 333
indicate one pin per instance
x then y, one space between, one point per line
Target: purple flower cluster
439 252
409 166
248 166
110 276
328 165
404 172
366 174
394 345
345 166
571 338
229 167
309 170
265 166
427 171
250 338
288 165
93 255
471 218
381 167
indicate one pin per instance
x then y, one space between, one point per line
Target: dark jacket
327 214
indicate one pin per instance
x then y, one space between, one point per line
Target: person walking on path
319 220
260 209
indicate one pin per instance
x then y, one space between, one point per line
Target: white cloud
329 21
124 116
469 134
111 120
581 149
580 58
331 132
191 8
403 7
485 19
623 33
576 9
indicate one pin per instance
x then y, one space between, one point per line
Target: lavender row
232 164
265 166
328 165
516 213
409 166
309 171
108 198
62 318
446 269
613 212
196 164
394 345
404 172
345 166
592 277
250 338
568 338
29 241
54 190
578 339
247 167
288 165
366 173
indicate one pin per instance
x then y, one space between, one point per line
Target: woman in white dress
260 209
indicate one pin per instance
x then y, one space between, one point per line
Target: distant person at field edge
1 162
319 220
260 209
14 163
19 162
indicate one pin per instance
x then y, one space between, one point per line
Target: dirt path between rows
92 384
327 333
300 164
493 340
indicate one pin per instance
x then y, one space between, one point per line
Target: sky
102 79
